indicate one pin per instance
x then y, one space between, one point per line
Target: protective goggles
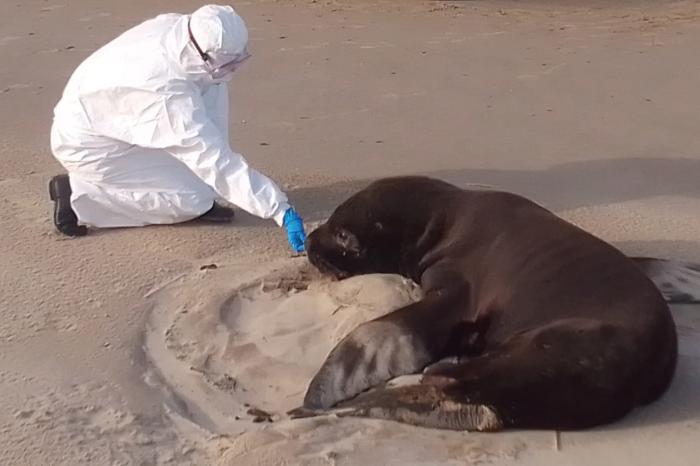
219 65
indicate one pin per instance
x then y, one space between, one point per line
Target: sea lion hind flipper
678 281
424 405
570 374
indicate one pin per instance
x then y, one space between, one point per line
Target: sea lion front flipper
402 342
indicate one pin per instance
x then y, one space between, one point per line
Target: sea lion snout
317 252
336 251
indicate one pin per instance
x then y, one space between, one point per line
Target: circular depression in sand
231 345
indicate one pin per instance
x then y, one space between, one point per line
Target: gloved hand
295 230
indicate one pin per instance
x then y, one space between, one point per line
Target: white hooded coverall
142 127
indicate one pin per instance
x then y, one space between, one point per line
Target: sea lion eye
347 240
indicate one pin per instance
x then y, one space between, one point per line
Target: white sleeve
185 130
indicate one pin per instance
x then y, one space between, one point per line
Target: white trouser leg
118 185
106 207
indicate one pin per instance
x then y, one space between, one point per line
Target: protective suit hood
219 30
209 44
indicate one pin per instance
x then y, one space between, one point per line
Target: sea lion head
344 249
378 229
358 238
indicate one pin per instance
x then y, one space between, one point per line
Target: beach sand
127 347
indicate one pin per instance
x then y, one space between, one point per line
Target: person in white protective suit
142 129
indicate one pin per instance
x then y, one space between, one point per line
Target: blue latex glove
295 230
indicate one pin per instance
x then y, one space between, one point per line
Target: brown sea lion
551 327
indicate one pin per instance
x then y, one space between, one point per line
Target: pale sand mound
226 342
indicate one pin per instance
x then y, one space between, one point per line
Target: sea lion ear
347 240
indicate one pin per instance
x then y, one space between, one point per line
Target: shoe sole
52 189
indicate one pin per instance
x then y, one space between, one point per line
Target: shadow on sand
562 187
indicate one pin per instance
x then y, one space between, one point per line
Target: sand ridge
234 340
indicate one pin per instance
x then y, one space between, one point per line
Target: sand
589 108
222 346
